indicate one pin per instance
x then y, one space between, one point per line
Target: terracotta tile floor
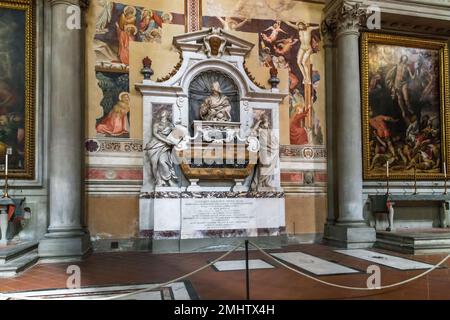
119 268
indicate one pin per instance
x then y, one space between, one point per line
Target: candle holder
415 182
387 177
445 178
6 187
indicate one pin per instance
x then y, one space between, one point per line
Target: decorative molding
96 145
83 4
413 27
303 152
221 233
407 16
195 42
193 15
170 234
113 188
211 194
252 78
173 71
160 195
305 191
114 174
146 233
303 178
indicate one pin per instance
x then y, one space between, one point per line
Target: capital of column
83 4
327 34
346 18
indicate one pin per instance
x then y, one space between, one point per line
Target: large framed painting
17 87
406 116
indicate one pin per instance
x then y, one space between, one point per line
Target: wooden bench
384 204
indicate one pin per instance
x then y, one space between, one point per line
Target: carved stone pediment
214 42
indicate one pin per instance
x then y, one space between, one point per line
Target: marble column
66 239
350 229
348 122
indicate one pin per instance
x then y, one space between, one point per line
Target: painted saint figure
397 80
216 107
305 51
126 32
115 123
159 151
150 25
298 134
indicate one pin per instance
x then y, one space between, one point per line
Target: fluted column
65 239
349 229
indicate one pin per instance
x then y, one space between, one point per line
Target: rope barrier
154 287
347 287
177 279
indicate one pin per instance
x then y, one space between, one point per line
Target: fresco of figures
115 121
288 45
284 44
404 114
119 24
116 26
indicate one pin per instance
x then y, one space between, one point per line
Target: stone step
414 243
12 252
20 264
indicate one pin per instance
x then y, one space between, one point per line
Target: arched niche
200 89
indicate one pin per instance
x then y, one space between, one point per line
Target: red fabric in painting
298 134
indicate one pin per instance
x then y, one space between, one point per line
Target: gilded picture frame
17 88
405 107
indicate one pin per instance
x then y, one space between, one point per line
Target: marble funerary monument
211 139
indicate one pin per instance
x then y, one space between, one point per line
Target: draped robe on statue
159 153
267 159
216 109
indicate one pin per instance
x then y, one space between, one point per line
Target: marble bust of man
216 107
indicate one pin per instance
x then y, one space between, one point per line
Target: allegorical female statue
267 154
216 107
159 151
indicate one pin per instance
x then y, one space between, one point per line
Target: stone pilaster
328 38
66 239
349 229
